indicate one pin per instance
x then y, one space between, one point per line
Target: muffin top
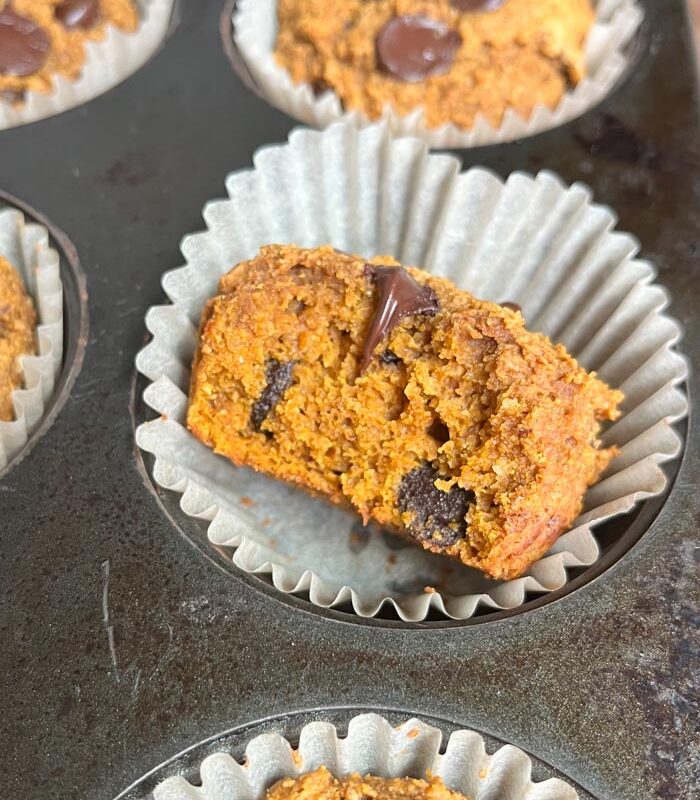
321 785
17 323
40 39
453 58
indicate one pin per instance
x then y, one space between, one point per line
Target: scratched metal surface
604 684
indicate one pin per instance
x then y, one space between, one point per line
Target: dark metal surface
603 684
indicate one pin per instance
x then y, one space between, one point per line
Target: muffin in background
453 58
43 39
17 326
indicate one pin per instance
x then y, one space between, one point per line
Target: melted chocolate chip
279 379
78 13
389 357
511 306
477 5
24 45
438 517
413 48
400 295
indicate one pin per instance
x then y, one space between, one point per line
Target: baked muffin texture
321 785
41 39
484 56
453 426
17 325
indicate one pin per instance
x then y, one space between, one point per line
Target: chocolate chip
400 295
477 5
78 13
413 48
279 379
24 45
390 357
438 517
511 306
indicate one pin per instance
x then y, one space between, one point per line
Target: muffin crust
516 56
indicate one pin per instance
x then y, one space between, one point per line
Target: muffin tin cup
530 240
253 30
372 746
107 63
26 247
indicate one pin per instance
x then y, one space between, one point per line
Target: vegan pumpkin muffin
41 39
390 391
321 785
17 325
453 58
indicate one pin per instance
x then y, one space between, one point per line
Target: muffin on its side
390 391
321 785
41 39
453 58
17 325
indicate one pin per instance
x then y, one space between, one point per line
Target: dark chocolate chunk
78 13
389 357
438 517
279 379
477 5
413 48
24 45
511 306
400 295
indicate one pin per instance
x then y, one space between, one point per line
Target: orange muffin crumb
17 324
459 430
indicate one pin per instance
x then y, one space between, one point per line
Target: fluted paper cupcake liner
26 247
107 63
530 240
372 746
255 32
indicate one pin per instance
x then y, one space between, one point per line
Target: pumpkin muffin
41 39
390 391
321 785
17 325
453 58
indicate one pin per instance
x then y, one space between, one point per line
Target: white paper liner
255 33
533 241
26 247
372 746
107 63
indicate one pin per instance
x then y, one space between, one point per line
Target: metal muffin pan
123 646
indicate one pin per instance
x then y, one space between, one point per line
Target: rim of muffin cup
108 62
604 307
248 26
372 745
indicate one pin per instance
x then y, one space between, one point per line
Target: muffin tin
124 646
